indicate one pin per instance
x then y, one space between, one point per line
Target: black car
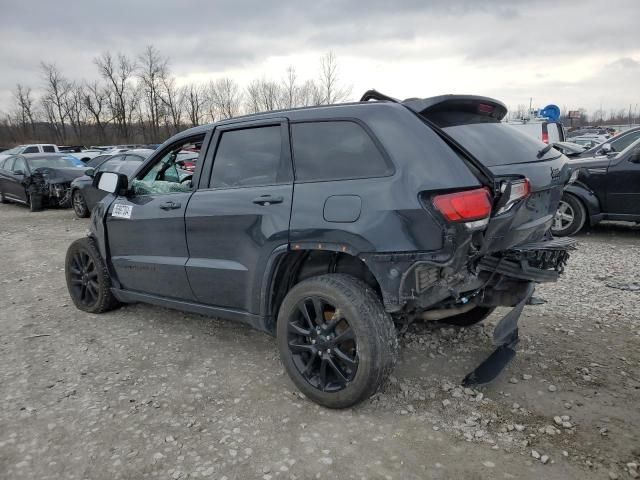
607 188
324 225
38 180
615 144
85 195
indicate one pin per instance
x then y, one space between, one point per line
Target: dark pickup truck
324 225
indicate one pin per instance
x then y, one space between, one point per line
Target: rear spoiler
484 106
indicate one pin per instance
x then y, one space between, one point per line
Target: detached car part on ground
426 209
38 180
606 187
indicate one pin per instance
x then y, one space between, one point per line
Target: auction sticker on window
121 211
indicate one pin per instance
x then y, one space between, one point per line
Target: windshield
499 144
13 151
51 162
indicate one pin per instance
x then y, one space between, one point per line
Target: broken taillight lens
465 206
519 189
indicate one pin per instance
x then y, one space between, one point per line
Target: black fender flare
588 198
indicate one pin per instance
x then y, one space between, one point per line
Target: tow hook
505 336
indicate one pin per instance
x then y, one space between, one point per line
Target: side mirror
606 148
90 172
111 182
18 172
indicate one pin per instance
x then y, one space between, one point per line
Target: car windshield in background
499 144
51 162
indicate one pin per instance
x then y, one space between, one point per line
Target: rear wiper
542 152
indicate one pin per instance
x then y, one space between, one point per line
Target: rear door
240 214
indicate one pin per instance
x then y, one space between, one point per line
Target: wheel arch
287 268
587 198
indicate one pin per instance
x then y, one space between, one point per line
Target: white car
31 148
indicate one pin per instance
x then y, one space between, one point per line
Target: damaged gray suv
324 225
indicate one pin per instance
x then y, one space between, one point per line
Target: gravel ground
144 392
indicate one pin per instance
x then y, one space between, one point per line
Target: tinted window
31 150
252 156
19 165
334 151
48 149
624 141
130 165
111 164
499 143
96 161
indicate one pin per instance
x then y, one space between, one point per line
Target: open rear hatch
514 160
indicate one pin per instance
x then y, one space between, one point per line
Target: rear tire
35 202
570 216
88 279
466 319
344 347
79 204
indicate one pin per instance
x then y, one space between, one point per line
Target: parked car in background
607 188
614 144
85 195
545 131
589 141
187 161
38 180
31 148
320 224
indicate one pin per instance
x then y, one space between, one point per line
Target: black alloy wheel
88 279
83 278
79 205
322 344
336 341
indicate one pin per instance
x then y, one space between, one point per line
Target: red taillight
545 137
464 206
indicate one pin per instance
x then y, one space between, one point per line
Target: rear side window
554 132
335 150
48 149
8 164
624 141
31 149
250 157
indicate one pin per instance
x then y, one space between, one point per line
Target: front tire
88 279
336 341
36 202
79 204
570 217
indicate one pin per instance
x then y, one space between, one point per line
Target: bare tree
329 81
195 102
226 97
152 72
173 99
96 101
311 94
25 107
54 100
263 95
118 73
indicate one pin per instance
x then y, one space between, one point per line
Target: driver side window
165 175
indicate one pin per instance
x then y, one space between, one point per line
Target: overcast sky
575 54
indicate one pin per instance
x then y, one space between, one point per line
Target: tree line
137 99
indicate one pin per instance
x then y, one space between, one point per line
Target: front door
146 229
240 214
14 187
623 183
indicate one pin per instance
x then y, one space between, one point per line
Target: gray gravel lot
145 392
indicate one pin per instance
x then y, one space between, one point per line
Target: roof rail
376 95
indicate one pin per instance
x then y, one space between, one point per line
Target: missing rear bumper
505 336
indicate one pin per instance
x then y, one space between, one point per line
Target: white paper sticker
121 211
